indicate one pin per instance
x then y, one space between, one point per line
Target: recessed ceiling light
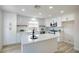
62 11
50 7
33 19
40 13
22 9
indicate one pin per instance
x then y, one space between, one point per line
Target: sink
33 38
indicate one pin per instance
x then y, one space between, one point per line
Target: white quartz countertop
27 38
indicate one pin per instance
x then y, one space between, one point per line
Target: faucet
33 34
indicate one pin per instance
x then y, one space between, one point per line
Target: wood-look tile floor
62 48
12 49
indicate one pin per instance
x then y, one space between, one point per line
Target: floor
12 49
62 48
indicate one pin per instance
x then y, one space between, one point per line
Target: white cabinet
18 38
47 22
57 19
10 20
69 17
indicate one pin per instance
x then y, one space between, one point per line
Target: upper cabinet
69 17
60 19
53 20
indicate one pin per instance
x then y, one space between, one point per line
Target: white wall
68 32
10 20
76 32
68 26
1 29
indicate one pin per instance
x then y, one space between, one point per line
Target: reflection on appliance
42 31
54 31
54 28
53 25
22 30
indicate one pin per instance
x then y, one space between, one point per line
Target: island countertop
27 39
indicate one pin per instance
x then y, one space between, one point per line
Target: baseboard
76 49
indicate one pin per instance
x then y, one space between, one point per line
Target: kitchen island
46 43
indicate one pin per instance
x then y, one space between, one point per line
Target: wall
76 32
68 26
68 31
1 29
10 20
73 29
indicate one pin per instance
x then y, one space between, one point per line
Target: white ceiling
44 9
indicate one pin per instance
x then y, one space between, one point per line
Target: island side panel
46 46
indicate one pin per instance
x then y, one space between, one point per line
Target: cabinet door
18 38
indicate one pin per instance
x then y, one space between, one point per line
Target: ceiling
41 11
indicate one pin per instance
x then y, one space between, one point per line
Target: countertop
27 38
